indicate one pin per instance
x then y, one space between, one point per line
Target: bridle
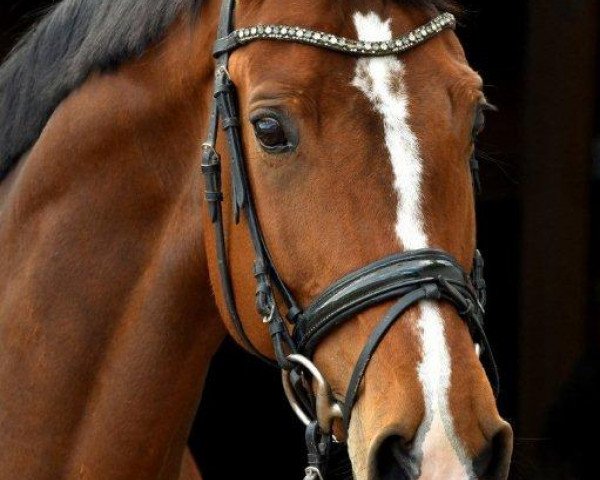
404 278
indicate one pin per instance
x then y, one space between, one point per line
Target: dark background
538 223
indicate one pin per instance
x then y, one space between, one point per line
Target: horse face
350 160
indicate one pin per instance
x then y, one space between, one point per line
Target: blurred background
539 221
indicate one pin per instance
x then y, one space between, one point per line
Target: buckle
211 170
211 160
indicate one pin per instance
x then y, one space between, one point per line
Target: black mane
76 38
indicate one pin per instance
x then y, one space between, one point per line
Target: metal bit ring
327 408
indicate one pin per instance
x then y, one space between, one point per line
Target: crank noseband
405 279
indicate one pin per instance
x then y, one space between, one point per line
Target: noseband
404 278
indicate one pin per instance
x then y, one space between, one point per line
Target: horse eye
270 134
478 123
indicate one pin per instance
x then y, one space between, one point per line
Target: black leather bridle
404 278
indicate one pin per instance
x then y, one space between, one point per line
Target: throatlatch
404 279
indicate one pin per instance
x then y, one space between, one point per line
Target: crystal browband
334 42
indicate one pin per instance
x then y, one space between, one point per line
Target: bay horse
116 290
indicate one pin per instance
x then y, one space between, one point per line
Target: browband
297 34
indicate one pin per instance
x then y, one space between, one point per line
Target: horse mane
77 38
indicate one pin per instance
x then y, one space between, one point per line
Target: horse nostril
393 460
494 463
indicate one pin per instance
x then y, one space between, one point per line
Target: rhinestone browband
342 44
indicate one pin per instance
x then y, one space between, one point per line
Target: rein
404 278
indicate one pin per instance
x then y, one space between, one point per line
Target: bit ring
326 406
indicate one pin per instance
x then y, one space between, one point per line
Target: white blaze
381 80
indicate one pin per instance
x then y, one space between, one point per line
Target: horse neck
107 322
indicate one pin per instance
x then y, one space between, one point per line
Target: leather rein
404 278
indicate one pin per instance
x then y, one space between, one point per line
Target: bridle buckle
269 318
312 473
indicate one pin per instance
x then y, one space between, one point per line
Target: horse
122 273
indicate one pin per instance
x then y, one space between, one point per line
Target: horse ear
450 6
